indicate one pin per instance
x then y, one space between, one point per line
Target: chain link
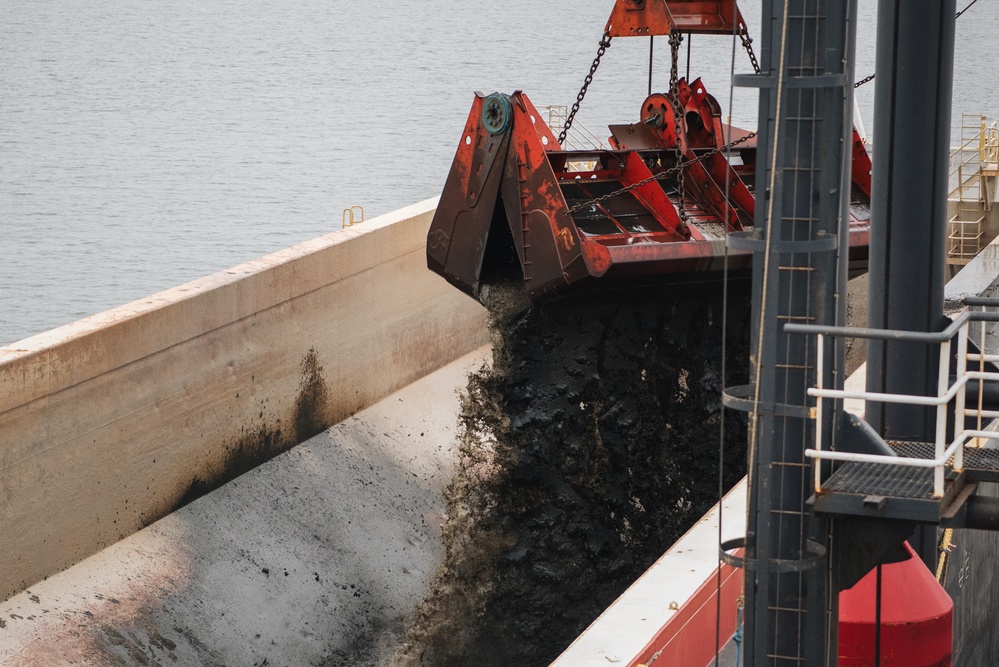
863 81
605 43
747 42
679 166
675 40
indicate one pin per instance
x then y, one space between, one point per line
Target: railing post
981 368
962 370
941 431
819 372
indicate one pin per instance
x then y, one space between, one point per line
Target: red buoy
917 618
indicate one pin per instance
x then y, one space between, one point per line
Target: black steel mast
800 273
915 67
915 71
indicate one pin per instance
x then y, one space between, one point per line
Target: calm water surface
146 144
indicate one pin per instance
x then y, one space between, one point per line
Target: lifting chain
675 40
678 167
605 43
863 81
747 43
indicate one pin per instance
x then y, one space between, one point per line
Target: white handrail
983 357
905 399
819 372
946 392
910 461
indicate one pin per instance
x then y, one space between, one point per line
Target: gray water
145 144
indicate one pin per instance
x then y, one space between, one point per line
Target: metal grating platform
981 465
882 480
916 450
902 492
887 491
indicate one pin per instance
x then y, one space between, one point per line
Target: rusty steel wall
112 422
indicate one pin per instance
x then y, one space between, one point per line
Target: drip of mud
588 448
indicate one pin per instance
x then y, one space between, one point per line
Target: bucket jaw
656 208
517 207
502 213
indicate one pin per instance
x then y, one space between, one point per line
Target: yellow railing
350 216
990 145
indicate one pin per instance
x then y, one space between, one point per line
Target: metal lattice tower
800 272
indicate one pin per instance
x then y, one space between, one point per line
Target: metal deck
889 491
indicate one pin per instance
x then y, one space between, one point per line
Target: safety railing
352 216
947 392
990 163
966 158
990 144
579 138
967 186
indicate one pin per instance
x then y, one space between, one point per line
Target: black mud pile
588 448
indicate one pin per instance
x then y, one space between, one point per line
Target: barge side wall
112 422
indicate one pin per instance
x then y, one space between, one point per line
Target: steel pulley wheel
496 113
657 110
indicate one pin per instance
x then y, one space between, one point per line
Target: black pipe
982 513
652 44
915 64
915 68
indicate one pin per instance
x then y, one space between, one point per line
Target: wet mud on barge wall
112 422
588 448
317 557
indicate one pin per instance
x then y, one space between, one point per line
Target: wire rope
724 345
958 15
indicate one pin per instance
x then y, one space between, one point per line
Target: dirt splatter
588 448
246 453
262 442
312 405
